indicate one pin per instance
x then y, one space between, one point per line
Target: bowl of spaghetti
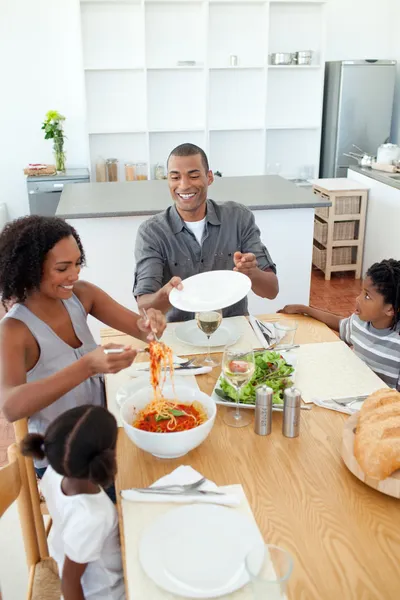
171 424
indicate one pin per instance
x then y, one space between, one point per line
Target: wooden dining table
344 536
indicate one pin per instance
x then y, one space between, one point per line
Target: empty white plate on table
189 333
198 551
210 291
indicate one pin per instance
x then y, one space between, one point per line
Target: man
197 235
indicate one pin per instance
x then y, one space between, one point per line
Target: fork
348 401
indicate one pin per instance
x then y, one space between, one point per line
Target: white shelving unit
250 117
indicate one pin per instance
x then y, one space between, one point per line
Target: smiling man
195 235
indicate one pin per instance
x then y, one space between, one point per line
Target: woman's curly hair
24 244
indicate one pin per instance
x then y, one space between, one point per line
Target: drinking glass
285 332
269 568
209 322
238 368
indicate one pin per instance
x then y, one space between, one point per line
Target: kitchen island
382 238
107 217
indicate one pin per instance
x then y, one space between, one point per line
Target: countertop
264 192
380 176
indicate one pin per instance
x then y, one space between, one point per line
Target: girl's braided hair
385 276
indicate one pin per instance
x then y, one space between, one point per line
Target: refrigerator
358 106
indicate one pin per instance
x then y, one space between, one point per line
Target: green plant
53 129
53 125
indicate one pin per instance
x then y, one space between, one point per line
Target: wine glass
208 322
238 367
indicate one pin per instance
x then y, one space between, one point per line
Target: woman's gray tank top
55 354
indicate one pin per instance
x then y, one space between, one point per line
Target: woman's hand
100 362
154 324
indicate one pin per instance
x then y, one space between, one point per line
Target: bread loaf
377 438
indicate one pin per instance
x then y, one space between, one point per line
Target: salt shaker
263 413
291 412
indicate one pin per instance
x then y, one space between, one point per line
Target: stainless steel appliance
358 105
44 191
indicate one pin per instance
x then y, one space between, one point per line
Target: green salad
271 370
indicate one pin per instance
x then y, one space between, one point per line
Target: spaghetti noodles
161 415
167 416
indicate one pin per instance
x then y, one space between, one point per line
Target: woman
49 361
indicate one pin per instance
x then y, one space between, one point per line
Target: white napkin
259 335
331 405
183 475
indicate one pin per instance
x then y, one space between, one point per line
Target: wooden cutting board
389 486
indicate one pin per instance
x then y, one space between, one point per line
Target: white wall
41 69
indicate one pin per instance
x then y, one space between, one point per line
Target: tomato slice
238 366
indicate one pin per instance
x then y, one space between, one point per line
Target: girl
80 448
374 328
49 361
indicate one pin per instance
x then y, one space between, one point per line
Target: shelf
296 67
239 31
237 68
119 132
127 147
233 128
341 218
112 35
177 130
227 155
113 2
128 68
295 26
236 99
177 68
176 100
116 101
337 268
294 126
171 35
161 143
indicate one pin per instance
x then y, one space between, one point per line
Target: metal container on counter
281 58
303 57
291 412
263 410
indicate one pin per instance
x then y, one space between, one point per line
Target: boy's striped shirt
378 348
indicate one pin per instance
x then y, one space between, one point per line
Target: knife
177 493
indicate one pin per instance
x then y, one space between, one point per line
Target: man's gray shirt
165 248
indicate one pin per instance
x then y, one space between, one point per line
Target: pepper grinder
291 412
263 412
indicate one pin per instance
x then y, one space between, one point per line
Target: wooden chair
44 582
20 431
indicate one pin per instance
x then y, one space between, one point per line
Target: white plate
189 333
210 291
290 358
198 551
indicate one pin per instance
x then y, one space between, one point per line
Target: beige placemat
332 369
247 338
114 382
136 517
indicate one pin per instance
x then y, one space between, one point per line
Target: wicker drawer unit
342 222
342 230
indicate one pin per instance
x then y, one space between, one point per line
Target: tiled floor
337 295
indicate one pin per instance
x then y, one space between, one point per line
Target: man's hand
245 263
293 309
175 282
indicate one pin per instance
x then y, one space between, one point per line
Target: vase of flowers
53 129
